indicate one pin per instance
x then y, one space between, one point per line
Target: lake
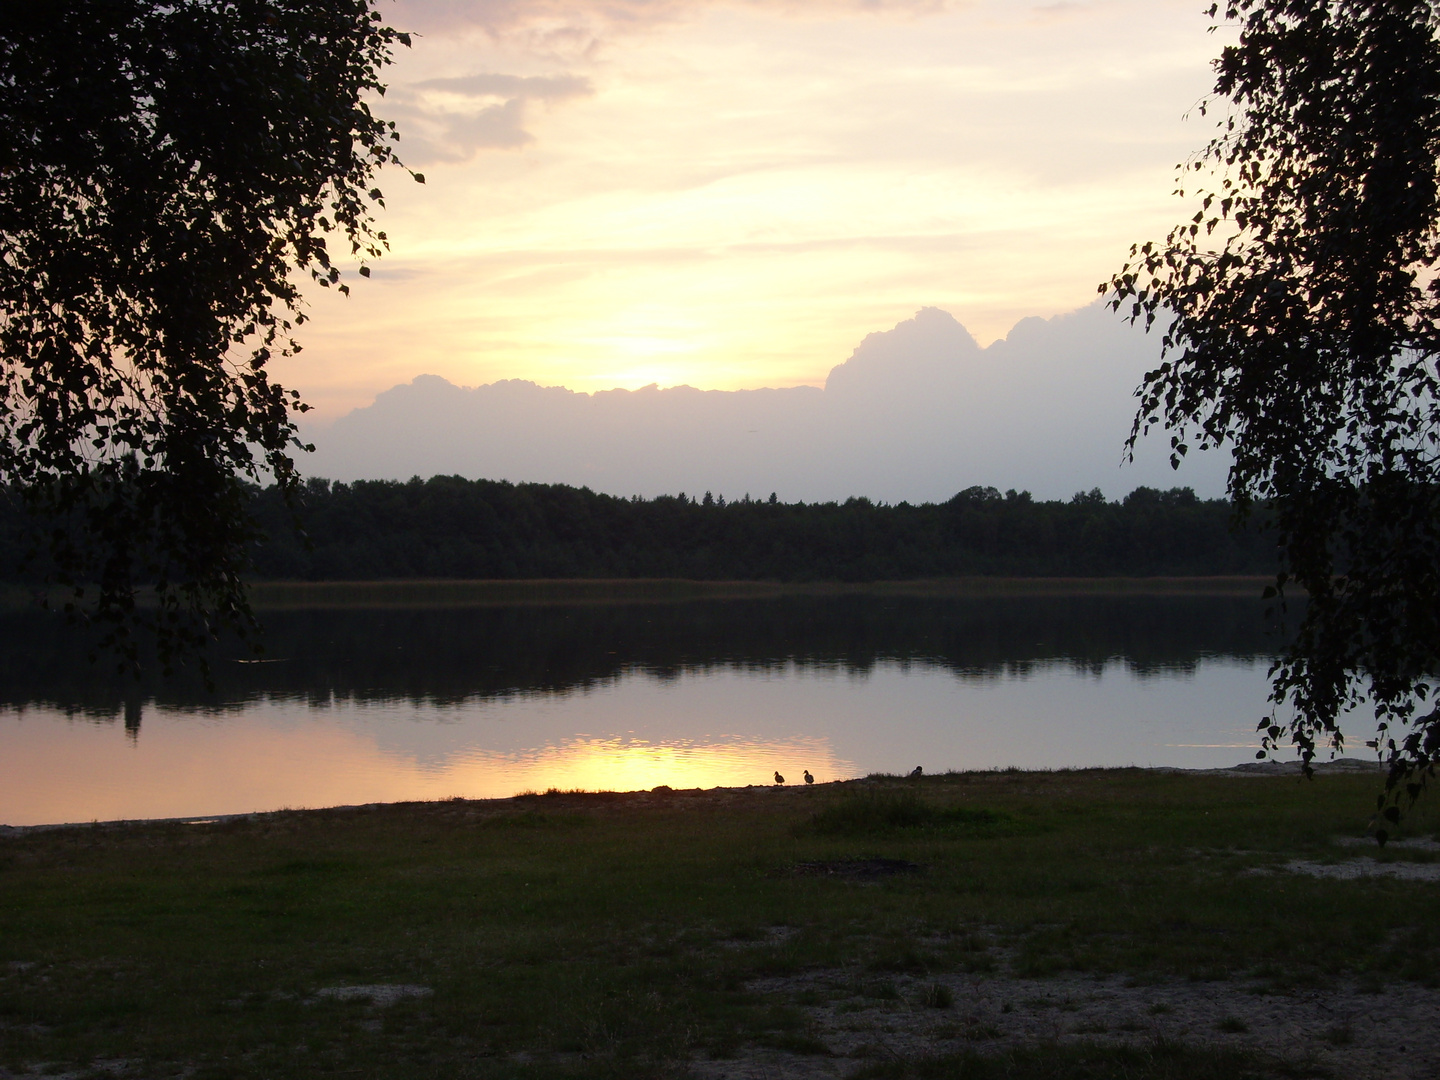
365 704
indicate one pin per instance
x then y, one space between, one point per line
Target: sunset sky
732 194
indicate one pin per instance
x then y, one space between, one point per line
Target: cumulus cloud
917 412
450 119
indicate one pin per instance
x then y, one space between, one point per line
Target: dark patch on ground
861 869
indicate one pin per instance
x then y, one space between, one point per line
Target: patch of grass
937 996
535 819
881 991
872 813
599 934
900 957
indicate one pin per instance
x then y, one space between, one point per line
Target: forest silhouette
450 527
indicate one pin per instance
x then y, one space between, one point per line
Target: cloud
576 27
450 119
493 84
917 412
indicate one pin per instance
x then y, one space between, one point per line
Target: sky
732 194
916 413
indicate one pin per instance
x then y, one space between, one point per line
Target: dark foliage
452 654
168 171
1304 332
449 527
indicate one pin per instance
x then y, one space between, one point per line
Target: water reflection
360 705
449 655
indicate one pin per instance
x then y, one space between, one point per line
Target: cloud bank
916 413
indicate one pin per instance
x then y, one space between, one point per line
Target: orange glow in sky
733 194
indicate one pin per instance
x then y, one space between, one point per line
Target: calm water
366 705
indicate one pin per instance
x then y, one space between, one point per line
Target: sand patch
1414 843
1356 869
381 995
1354 1034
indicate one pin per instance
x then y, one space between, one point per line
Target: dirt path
1351 1033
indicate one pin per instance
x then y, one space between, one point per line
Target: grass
868 812
573 934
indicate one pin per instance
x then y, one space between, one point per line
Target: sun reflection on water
720 727
631 765
58 769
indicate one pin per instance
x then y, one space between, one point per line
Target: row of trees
450 527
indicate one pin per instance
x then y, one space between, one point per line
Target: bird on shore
808 778
917 772
778 778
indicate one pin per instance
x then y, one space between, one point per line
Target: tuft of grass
870 813
882 991
937 996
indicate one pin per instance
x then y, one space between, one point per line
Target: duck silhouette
778 778
808 778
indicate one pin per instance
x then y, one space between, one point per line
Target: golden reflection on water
721 728
624 765
59 771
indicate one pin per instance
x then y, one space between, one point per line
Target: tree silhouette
1302 327
168 171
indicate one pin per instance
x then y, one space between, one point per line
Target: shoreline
536 592
279 595
1245 770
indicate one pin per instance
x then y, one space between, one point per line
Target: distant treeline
450 527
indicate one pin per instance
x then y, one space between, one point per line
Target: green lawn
663 933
